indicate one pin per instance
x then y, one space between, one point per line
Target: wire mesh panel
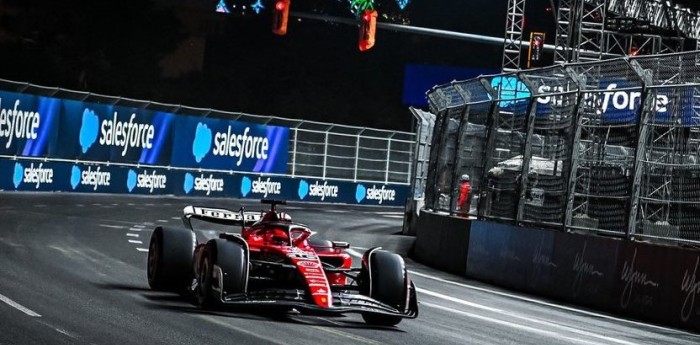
604 146
669 169
449 104
505 146
424 132
469 159
309 153
546 158
341 151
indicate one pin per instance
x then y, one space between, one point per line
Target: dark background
183 52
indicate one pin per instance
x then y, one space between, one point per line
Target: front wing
343 302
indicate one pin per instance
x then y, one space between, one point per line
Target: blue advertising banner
230 145
204 184
34 175
33 126
99 132
27 124
619 100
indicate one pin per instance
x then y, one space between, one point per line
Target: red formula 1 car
276 263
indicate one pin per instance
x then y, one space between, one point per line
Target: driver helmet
464 178
277 236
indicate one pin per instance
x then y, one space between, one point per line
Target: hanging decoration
257 7
359 6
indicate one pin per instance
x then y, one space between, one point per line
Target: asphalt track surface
72 271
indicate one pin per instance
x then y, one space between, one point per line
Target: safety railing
316 149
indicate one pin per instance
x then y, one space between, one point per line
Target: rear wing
219 216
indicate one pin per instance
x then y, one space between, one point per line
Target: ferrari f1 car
276 263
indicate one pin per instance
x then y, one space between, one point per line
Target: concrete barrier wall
442 241
641 280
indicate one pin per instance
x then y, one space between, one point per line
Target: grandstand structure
609 146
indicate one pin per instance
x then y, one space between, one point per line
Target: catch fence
610 147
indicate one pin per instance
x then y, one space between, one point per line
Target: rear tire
170 254
387 285
231 258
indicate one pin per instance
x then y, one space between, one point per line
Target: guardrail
57 126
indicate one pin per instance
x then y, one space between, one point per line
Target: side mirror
341 245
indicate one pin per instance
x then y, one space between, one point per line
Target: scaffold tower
512 45
592 30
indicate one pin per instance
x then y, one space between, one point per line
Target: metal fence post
357 155
294 151
388 160
640 149
325 154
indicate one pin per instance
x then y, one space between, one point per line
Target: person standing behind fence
464 193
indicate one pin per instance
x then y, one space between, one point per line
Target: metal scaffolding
513 35
591 30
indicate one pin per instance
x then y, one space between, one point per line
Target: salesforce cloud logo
18 175
303 189
202 183
189 183
202 142
360 193
246 186
511 90
131 180
32 175
88 129
75 177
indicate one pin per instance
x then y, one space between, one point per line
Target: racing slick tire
387 284
212 284
170 254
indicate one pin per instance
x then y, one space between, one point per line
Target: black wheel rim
204 280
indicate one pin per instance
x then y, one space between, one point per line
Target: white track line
142 249
510 314
139 226
551 305
18 306
512 325
135 241
112 226
132 235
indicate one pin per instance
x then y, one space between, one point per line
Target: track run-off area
73 271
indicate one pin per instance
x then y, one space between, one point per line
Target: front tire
387 284
223 270
170 254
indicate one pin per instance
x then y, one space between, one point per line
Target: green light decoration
358 6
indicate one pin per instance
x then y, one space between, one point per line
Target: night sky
315 72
